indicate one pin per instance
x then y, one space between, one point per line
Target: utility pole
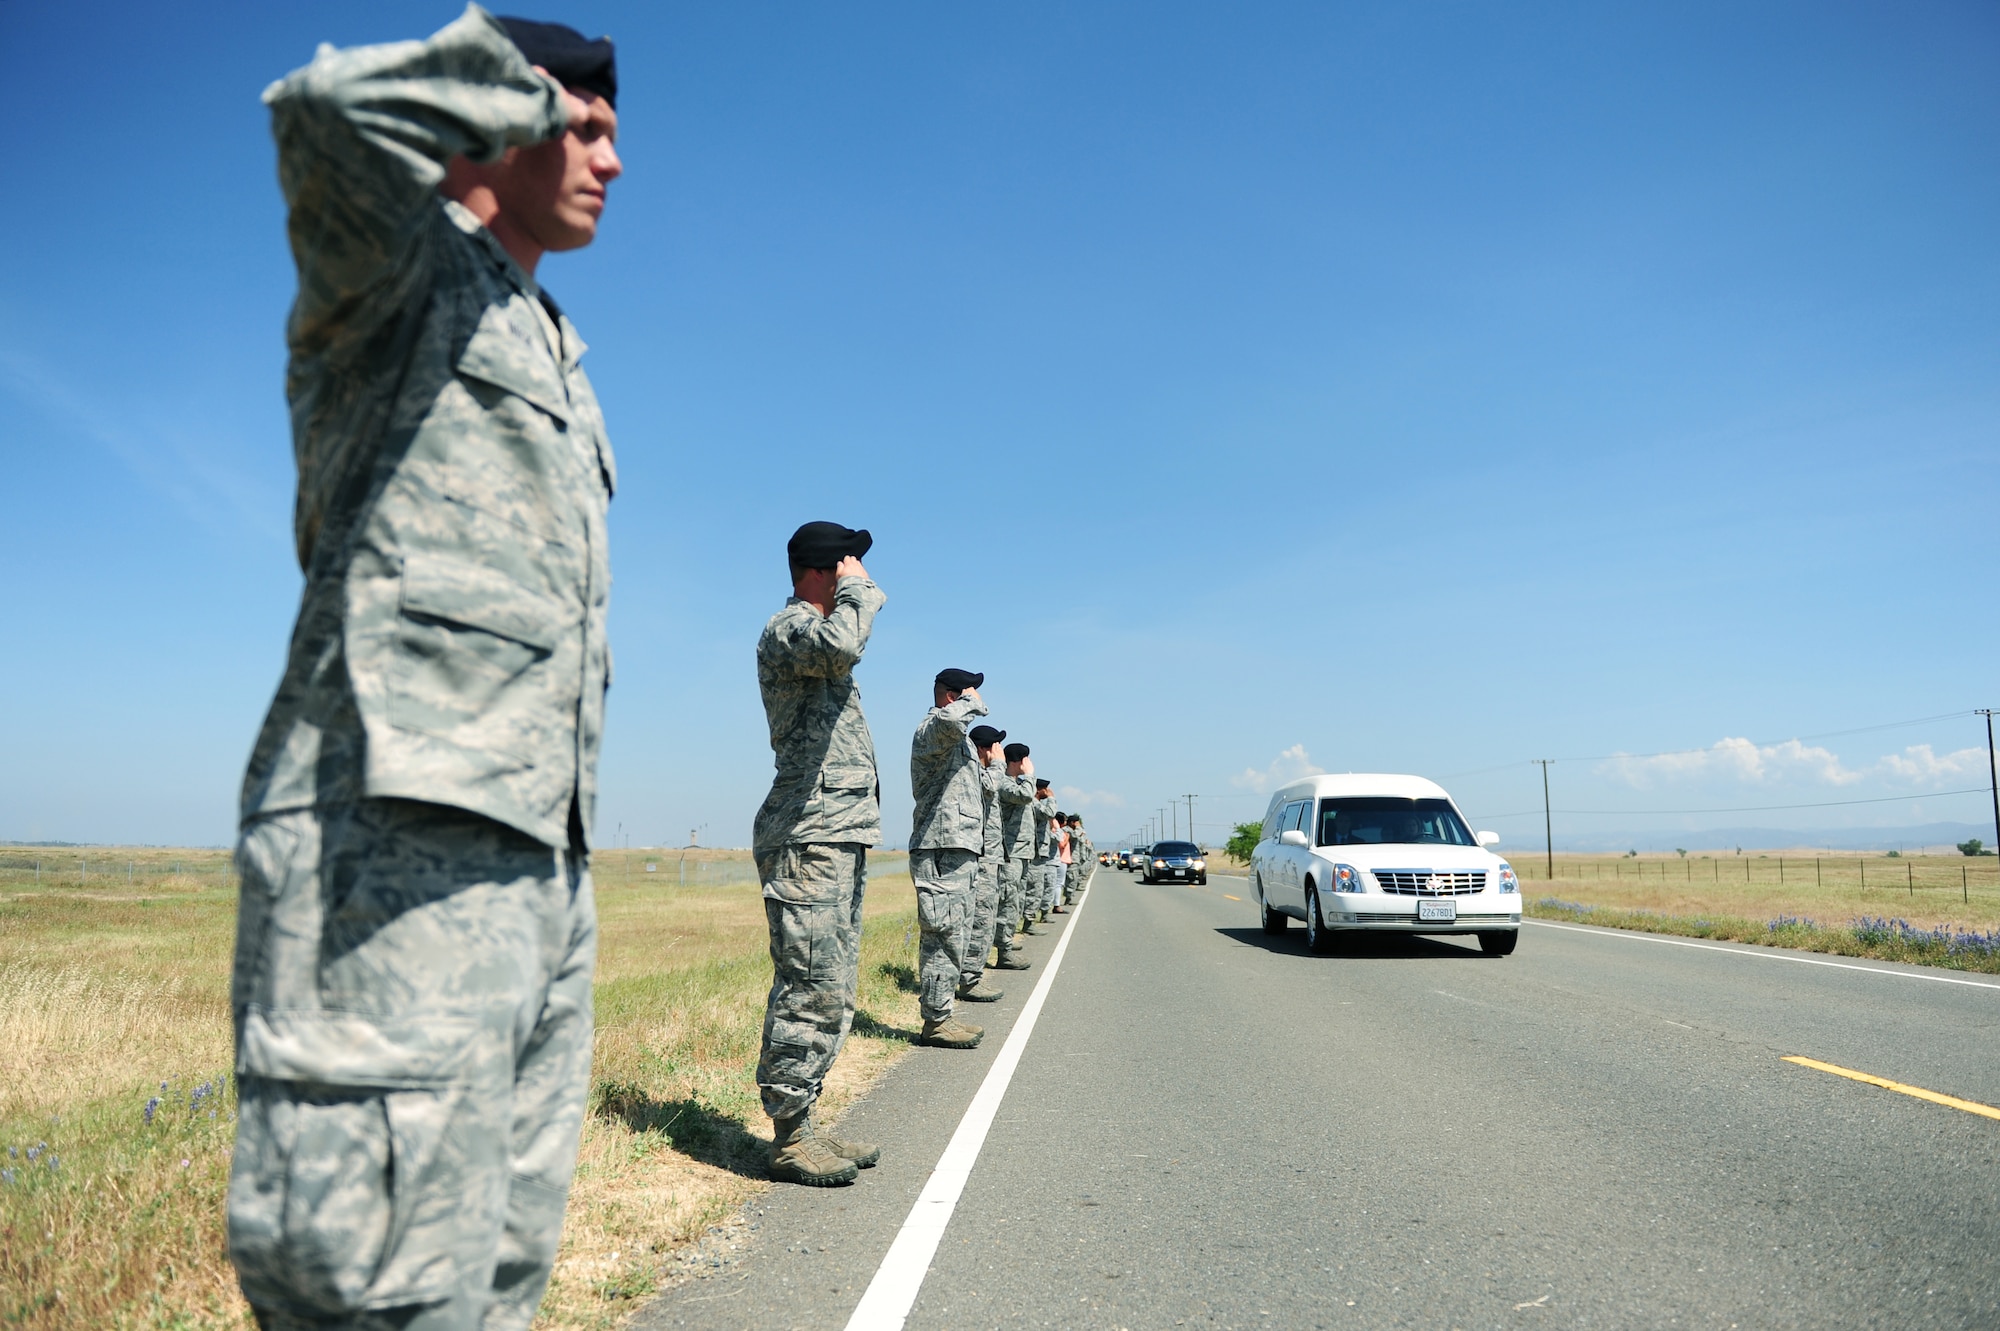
1992 775
1191 836
1548 826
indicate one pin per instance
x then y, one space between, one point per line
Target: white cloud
1737 759
1076 797
1919 765
1793 761
1289 765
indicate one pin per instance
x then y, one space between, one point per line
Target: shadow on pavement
1360 946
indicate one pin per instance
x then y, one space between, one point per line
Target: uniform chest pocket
509 351
468 641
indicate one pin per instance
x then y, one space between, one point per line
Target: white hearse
1390 853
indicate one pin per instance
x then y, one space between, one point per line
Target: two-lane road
1213 1127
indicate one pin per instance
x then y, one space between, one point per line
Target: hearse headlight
1159 864
1508 881
1347 878
1197 864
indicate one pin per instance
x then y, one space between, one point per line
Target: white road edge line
893 1291
1760 953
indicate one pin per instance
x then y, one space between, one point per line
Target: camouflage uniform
811 836
946 839
411 992
1016 799
1082 862
978 936
1041 878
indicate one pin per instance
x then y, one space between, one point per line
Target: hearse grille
1425 883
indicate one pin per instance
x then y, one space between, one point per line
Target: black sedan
1175 861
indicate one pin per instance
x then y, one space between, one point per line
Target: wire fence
1908 875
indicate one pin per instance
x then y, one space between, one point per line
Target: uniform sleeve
363 138
946 727
825 647
1016 790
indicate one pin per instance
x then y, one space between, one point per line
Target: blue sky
1245 389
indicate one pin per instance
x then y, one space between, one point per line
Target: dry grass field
1931 909
116 1103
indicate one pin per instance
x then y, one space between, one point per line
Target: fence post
1964 894
1781 870
1815 871
1910 872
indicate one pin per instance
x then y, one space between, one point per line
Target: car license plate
1180 873
1440 912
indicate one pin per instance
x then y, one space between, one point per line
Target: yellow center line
1969 1106
1225 894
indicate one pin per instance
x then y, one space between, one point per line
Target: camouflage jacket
827 788
453 470
1016 795
992 846
1081 849
944 777
1045 838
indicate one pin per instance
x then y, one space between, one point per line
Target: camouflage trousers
944 880
978 936
1076 879
1012 904
413 1018
812 904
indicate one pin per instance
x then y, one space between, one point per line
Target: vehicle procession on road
1361 852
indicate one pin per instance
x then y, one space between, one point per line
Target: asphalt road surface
1209 1127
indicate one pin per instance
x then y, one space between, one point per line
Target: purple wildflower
152 1108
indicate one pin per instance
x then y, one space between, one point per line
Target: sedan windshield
1166 848
1383 820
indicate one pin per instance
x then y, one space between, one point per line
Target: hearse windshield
1174 848
1386 820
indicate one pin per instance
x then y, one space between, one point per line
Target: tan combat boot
863 1154
980 992
1012 960
951 1033
800 1155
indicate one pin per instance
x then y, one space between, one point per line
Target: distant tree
1680 851
1894 855
1631 854
1973 847
1243 841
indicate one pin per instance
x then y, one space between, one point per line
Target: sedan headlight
1508 881
1197 864
1159 864
1347 878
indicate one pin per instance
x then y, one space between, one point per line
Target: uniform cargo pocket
464 635
331 1192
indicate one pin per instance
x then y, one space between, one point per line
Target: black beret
1015 751
1041 783
986 736
572 59
958 681
824 544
